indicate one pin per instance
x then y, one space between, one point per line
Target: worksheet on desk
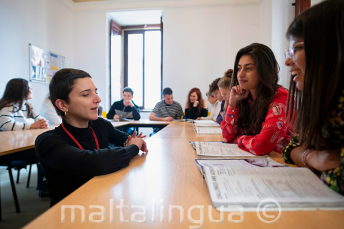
208 130
205 123
248 186
221 149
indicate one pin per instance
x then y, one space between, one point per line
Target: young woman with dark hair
316 101
78 149
15 109
196 106
255 117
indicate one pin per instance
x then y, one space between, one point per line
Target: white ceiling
125 18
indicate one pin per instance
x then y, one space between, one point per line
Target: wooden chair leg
18 175
14 192
28 177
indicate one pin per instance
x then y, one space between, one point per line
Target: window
142 66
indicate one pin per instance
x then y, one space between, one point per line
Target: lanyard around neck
76 142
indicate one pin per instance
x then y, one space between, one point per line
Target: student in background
255 117
213 88
78 149
215 107
224 84
125 108
48 111
317 111
211 98
196 106
167 109
15 110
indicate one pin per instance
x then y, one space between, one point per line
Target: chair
18 165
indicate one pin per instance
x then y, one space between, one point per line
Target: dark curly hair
213 86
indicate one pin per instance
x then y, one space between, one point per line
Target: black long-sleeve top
67 167
192 113
118 108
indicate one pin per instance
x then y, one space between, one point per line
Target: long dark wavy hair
252 116
199 99
16 91
321 28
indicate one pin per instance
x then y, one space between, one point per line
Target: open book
208 130
220 150
205 123
247 186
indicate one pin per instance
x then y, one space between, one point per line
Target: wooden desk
168 172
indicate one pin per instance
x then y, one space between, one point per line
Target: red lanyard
76 142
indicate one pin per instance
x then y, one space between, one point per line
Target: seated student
125 108
319 122
167 109
15 113
15 110
215 107
48 111
224 84
78 149
196 106
255 117
213 88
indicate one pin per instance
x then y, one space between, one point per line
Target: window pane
116 68
135 66
152 68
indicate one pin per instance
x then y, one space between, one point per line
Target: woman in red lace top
255 117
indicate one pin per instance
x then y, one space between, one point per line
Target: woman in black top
78 149
196 106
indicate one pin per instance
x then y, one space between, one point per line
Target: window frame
126 35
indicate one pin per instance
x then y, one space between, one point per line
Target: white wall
200 43
91 49
282 15
47 24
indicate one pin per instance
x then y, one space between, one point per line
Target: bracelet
126 142
304 155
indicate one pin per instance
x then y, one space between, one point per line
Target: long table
15 145
165 177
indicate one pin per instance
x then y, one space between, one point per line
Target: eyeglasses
291 51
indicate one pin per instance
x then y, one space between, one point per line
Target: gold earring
65 113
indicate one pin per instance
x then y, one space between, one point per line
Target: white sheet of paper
290 187
208 130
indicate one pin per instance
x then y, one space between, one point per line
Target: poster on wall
44 64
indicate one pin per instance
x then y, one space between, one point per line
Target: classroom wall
200 43
91 49
283 14
47 24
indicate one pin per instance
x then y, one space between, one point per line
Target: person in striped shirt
15 110
166 109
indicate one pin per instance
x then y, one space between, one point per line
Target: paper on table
237 163
208 130
222 150
205 123
295 188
